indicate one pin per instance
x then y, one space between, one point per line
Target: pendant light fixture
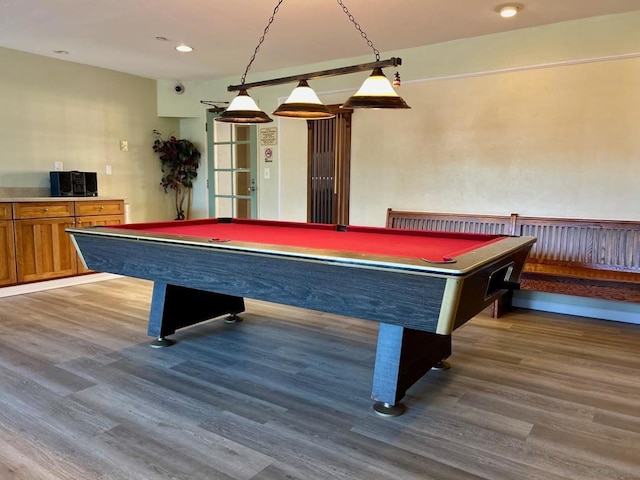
376 92
303 102
243 109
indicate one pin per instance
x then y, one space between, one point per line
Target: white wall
55 110
556 141
541 121
194 129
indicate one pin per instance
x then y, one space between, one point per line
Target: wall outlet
57 166
124 146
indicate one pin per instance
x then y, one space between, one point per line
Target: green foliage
179 159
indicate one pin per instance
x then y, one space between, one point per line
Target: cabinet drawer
42 210
103 207
99 220
5 211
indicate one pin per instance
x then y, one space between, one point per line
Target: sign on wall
268 136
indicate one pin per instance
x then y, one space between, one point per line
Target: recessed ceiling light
510 10
184 48
61 52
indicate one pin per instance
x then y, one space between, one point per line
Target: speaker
61 185
91 184
74 184
78 184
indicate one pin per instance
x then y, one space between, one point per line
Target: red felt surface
435 246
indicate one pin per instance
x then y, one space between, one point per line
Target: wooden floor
285 395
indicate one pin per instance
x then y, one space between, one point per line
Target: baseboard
50 284
578 306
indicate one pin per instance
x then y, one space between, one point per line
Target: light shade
303 103
243 109
376 92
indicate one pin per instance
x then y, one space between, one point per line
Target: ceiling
121 34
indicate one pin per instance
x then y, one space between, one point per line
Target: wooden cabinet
98 213
7 247
42 249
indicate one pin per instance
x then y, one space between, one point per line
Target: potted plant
179 160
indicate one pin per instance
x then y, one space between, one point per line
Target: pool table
418 285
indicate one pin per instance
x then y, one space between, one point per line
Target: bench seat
583 257
581 281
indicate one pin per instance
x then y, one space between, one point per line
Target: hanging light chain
264 34
271 19
357 25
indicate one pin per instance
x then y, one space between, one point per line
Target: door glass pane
224 185
222 132
223 156
243 183
242 133
243 208
243 155
224 207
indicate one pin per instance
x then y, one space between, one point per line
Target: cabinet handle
46 209
102 207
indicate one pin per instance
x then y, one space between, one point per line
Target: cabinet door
96 221
43 249
7 254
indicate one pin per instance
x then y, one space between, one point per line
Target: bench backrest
450 222
600 244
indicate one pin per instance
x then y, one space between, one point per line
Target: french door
232 167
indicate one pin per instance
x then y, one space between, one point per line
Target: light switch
267 173
108 170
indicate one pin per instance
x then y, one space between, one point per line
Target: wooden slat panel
600 244
449 222
322 170
329 167
343 168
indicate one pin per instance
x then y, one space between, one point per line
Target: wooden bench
583 257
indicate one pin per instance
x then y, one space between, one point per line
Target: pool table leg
174 307
403 356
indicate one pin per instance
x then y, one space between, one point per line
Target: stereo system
74 184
